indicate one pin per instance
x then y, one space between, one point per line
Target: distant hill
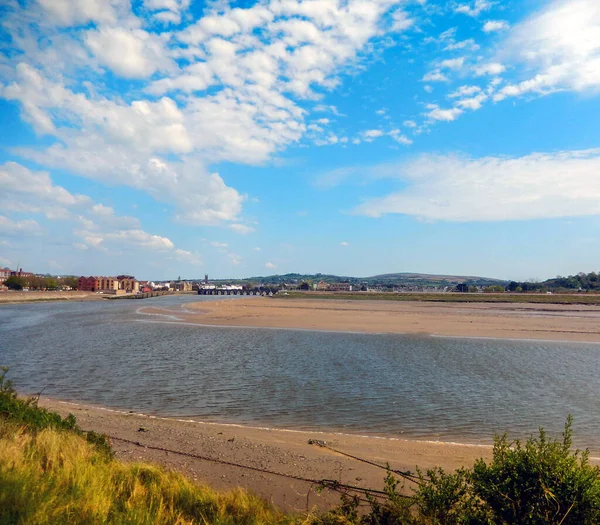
388 279
435 278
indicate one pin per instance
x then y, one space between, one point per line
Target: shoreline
271 462
274 458
531 322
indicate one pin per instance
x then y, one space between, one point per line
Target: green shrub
537 483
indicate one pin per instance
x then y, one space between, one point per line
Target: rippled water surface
404 386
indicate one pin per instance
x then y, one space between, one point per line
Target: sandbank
553 322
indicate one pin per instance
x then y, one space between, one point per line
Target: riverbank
496 320
11 297
281 451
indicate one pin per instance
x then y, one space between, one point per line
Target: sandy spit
506 321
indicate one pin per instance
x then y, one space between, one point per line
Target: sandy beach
280 451
499 320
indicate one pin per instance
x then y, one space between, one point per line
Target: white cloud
435 76
241 228
140 239
24 190
458 188
447 115
465 91
188 257
270 266
473 103
453 63
468 44
475 8
560 44
401 21
18 228
72 12
491 68
344 243
221 246
130 53
410 123
167 11
397 135
370 135
495 25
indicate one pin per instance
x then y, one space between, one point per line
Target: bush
540 482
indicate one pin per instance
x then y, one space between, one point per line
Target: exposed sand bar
281 451
498 320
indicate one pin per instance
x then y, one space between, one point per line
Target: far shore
553 322
12 297
281 451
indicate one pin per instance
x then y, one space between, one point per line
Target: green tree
14 283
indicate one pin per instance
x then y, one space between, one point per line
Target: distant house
340 287
181 286
322 286
128 283
4 274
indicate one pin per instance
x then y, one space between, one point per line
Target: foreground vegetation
585 299
53 472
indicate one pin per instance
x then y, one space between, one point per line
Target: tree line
40 282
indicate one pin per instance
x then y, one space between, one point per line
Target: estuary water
418 387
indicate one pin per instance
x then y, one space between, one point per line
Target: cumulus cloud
495 25
73 12
25 190
167 11
460 188
453 63
491 68
270 266
475 8
130 53
446 115
435 76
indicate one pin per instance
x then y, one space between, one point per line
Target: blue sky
175 137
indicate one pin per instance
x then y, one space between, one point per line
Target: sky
166 138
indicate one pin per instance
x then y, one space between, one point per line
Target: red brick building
88 284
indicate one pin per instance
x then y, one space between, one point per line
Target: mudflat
555 322
276 458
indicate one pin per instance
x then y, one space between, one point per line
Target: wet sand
498 320
280 451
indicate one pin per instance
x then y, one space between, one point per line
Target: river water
420 387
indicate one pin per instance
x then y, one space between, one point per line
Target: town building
128 284
340 287
4 274
322 286
87 284
181 286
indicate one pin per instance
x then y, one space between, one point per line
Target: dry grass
57 477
